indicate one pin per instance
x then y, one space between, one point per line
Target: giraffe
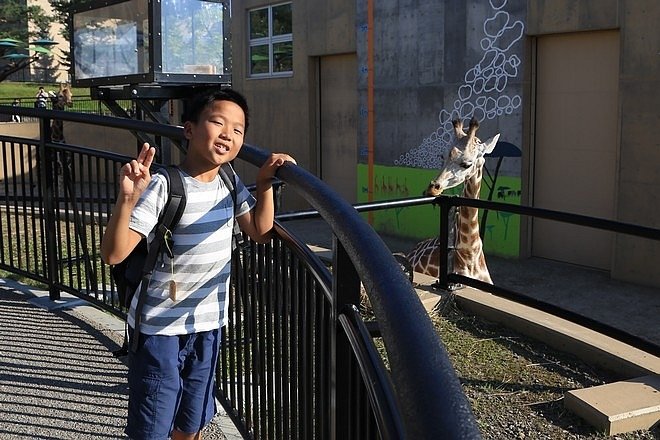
60 100
463 163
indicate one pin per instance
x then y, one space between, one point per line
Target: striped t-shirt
202 256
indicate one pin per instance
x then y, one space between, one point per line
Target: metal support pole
346 290
47 177
445 224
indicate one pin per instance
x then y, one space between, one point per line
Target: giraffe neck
469 258
471 189
57 126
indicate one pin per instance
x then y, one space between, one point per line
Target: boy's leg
154 387
197 406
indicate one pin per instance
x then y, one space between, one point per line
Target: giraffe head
63 98
462 159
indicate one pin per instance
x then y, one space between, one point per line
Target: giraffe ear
489 145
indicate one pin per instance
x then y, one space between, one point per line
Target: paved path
58 377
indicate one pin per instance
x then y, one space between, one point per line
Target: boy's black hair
205 97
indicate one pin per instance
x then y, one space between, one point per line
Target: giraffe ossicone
463 162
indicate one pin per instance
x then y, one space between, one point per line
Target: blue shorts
171 382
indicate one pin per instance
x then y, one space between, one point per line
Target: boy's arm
258 222
118 239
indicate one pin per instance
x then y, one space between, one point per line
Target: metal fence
81 104
298 360
447 279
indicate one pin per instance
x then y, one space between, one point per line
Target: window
271 41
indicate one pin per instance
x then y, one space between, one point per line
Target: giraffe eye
465 164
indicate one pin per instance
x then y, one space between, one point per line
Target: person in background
42 98
16 103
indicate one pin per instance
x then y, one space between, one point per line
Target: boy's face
217 136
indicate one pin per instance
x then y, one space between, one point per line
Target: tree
62 15
14 32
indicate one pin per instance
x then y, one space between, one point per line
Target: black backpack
139 264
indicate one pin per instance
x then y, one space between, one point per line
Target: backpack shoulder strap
228 176
172 212
176 198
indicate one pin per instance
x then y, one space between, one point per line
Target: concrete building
367 100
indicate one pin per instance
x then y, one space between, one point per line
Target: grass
10 90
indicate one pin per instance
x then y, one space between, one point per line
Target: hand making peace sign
135 176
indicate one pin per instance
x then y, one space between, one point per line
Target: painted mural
485 94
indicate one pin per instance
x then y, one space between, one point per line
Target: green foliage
61 9
62 15
14 19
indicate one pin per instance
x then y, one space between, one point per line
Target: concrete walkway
58 377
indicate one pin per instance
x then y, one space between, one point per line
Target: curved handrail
312 262
386 410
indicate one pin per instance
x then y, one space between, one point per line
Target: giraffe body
61 100
463 163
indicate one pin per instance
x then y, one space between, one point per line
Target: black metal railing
80 104
297 361
445 278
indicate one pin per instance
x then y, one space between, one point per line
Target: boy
171 374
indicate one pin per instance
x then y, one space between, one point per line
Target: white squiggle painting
483 95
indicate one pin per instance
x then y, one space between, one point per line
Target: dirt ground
516 384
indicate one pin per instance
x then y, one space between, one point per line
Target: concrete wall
15 157
638 180
100 138
430 64
284 110
434 62
56 28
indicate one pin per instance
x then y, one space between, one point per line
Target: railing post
46 176
345 290
445 224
